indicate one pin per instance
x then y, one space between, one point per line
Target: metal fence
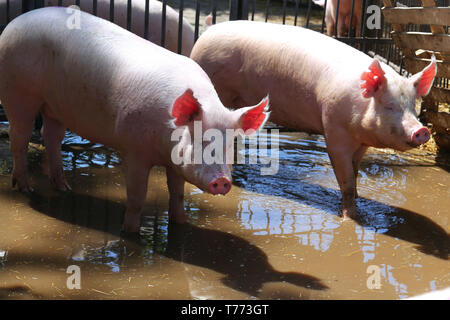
303 13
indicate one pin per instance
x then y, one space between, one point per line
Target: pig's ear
423 81
185 108
373 79
251 119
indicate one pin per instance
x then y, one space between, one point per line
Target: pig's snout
420 136
219 186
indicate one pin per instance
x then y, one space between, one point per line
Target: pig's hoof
178 218
348 214
130 228
346 218
61 185
64 187
22 184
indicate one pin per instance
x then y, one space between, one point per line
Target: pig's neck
365 123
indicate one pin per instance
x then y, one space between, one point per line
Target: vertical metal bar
297 2
363 18
233 10
322 29
59 3
267 10
180 26
243 9
401 64
351 19
363 30
94 7
308 13
336 23
214 11
253 9
111 10
163 24
197 20
77 2
389 47
7 12
284 11
378 31
129 6
147 14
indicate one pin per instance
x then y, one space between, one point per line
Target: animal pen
273 237
402 34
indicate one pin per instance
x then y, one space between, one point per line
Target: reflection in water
3 257
275 236
307 178
312 226
154 237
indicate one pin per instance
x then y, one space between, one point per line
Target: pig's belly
93 125
295 112
303 123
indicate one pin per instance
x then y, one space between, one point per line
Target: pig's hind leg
356 161
21 112
53 133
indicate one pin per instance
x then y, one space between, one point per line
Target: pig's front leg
137 179
175 184
341 149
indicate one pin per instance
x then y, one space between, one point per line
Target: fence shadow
245 267
396 222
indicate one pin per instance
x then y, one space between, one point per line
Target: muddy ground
271 237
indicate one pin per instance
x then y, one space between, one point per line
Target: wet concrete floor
271 237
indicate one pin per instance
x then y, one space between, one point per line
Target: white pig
120 18
344 16
318 85
112 87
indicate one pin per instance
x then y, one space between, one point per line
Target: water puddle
271 237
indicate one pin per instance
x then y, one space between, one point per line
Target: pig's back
299 68
91 77
265 39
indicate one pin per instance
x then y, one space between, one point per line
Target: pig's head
391 115
205 132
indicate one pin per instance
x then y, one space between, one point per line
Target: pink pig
344 16
110 86
318 85
120 18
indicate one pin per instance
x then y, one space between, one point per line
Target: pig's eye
389 108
